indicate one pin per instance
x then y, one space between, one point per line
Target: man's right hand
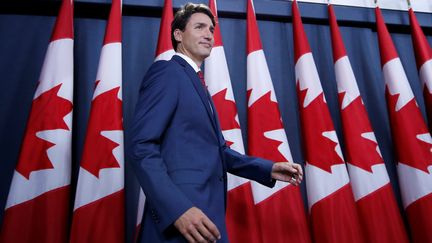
195 226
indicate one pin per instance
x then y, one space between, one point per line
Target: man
179 154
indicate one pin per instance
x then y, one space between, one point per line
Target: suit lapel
217 124
196 82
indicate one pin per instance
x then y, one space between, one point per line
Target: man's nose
208 34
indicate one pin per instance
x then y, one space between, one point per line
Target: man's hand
195 226
288 172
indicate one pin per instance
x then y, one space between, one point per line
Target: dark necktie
201 76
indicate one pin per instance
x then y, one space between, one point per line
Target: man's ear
178 35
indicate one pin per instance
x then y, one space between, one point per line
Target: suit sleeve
249 167
155 108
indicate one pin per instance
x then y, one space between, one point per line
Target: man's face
196 41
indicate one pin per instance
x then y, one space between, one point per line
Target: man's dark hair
183 15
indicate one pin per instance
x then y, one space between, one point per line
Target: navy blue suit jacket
179 154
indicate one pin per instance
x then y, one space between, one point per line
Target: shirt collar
189 61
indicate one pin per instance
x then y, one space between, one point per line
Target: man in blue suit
179 154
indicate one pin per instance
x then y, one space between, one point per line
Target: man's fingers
293 168
189 238
211 227
195 226
288 172
296 173
299 175
205 233
197 235
290 167
299 169
293 181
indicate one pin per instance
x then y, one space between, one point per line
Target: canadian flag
100 202
164 51
413 143
280 211
331 203
423 53
378 211
38 202
240 218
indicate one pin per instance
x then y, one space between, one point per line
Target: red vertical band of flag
280 210
63 28
331 203
423 53
253 42
217 33
422 49
99 211
412 140
164 50
378 212
38 200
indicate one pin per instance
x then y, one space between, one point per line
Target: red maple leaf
47 113
360 152
105 115
264 116
406 124
226 110
315 120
